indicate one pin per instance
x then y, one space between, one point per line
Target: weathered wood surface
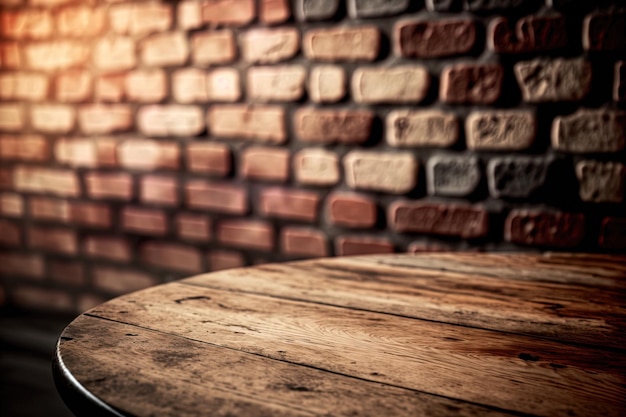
435 335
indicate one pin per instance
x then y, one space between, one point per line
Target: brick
107 247
46 180
399 84
530 34
222 259
56 55
471 83
376 8
191 85
86 152
73 86
619 84
589 131
172 256
23 86
274 11
421 128
299 241
394 173
276 83
330 126
327 84
164 49
87 214
604 31
218 197
109 88
249 234
189 14
144 221
500 130
516 177
493 5
558 79
109 185
138 19
11 205
36 298
146 154
160 190
265 164
613 233
114 53
103 118
10 55
121 281
193 227
544 228
362 245
342 44
6 178
289 204
439 219
24 148
316 167
21 264
67 272
601 181
12 117
259 123
228 12
351 210
222 84
209 158
213 47
434 38
49 3
170 120
26 24
53 239
146 86
10 234
452 175
269 46
53 118
81 21
316 10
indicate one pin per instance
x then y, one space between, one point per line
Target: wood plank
496 369
149 373
398 285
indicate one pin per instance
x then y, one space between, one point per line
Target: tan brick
258 123
114 53
228 12
421 128
590 131
67 272
249 234
276 83
144 221
289 204
303 242
24 148
601 181
171 256
399 84
12 117
139 19
327 84
434 38
21 264
73 86
265 164
121 281
102 118
56 55
146 86
53 239
362 245
394 173
81 21
46 180
158 189
26 24
471 83
222 259
37 298
53 118
23 86
10 233
558 79
165 49
110 185
107 247
110 88
10 55
316 167
218 197
213 47
86 152
147 154
268 46
170 120
209 158
193 227
11 205
351 210
342 44
330 126
500 130
274 11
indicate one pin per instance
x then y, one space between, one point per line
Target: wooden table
401 335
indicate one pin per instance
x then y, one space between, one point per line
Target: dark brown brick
613 233
601 181
107 247
121 281
10 233
619 84
171 256
21 264
299 241
328 126
362 245
289 204
588 131
471 83
531 34
218 197
434 38
67 272
543 228
351 210
604 31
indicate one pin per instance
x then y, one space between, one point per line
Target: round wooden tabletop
390 335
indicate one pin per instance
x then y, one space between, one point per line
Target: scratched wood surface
391 335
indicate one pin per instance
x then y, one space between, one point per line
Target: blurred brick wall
146 141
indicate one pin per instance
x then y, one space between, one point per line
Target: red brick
140 18
218 197
164 49
170 120
56 55
82 213
114 54
289 204
209 158
146 86
471 83
397 84
276 83
45 299
44 180
441 219
11 205
109 88
342 44
189 14
316 167
107 247
222 259
58 240
258 123
274 11
531 34
249 234
144 221
73 86
362 245
303 242
213 47
327 83
265 164
613 233
193 227
121 281
23 86
10 55
268 46
24 148
329 126
147 154
12 117
10 233
81 21
67 272
172 256
26 24
102 118
604 31
86 152
6 179
109 185
53 118
159 190
228 12
434 38
351 210
390 172
543 228
21 264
